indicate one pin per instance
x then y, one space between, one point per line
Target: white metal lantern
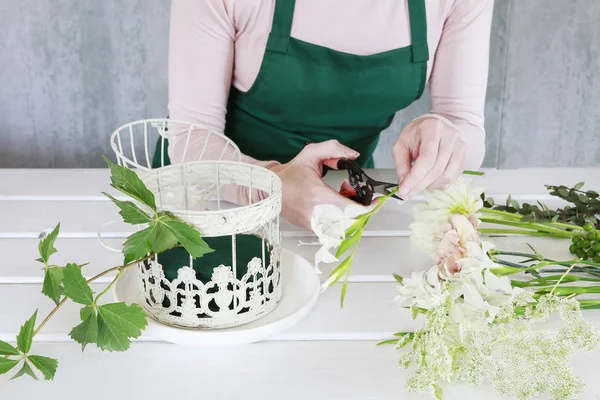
208 292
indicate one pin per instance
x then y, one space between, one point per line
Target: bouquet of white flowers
479 325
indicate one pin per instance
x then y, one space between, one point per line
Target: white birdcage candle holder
240 281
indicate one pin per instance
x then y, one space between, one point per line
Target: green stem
110 285
561 278
530 225
499 212
519 217
92 279
476 173
522 232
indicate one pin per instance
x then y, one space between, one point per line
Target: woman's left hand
428 154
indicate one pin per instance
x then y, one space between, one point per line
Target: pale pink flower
452 243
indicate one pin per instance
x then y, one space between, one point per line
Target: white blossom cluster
479 329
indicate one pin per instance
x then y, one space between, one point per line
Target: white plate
301 289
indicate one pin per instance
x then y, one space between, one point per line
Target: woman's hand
303 186
428 154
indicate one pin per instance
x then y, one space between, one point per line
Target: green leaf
52 283
75 286
7 349
46 245
579 185
391 341
109 339
86 332
25 336
164 239
7 364
46 365
344 288
563 192
129 321
583 198
347 244
26 369
339 271
139 244
130 212
398 278
86 311
508 200
126 181
515 204
356 226
189 238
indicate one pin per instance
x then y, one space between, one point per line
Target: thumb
319 152
330 196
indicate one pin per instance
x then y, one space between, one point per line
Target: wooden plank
376 258
356 370
88 183
83 219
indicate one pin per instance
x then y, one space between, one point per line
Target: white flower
461 197
330 223
423 289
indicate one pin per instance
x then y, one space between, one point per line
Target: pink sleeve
458 82
201 53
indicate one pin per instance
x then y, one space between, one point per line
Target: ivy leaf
164 238
46 245
129 321
25 370
189 238
52 287
86 332
25 336
46 365
75 286
579 185
7 364
139 244
126 181
130 212
86 311
7 349
109 339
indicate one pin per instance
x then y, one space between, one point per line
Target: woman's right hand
303 186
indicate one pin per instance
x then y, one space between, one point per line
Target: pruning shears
364 186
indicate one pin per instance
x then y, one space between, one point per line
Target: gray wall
71 71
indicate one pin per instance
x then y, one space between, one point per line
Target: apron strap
279 38
418 30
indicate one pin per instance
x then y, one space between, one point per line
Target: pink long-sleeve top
218 43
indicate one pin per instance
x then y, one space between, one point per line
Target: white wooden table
330 355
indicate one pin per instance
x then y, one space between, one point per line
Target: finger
347 190
330 196
332 163
402 156
454 169
426 160
445 150
326 150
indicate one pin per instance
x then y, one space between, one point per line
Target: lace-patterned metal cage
222 199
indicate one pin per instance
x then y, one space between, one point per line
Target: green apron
309 93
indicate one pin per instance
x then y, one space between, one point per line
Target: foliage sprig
109 326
